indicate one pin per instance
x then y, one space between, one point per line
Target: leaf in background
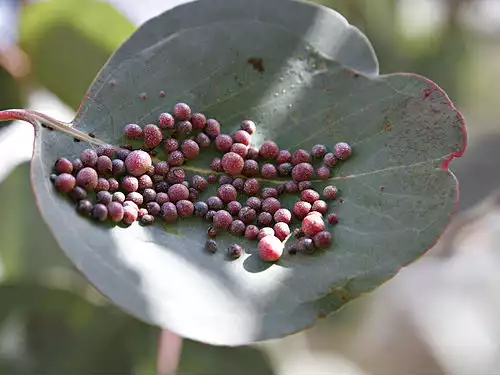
397 191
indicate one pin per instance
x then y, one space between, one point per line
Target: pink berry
129 184
169 212
129 215
281 230
309 195
318 151
330 192
118 197
304 185
252 186
254 202
107 150
283 215
216 165
323 240
268 170
77 165
63 165
183 127
232 163
251 232
269 150
241 136
270 248
89 157
265 218
301 156
268 192
162 198
252 153
302 172
320 206
240 149
145 182
152 136
198 120
175 159
239 184
131 205
284 156
115 212
171 145
222 219
234 208
203 140
199 183
132 131
117 167
246 214
250 168
271 205
248 126
291 187
102 184
182 111
312 224
227 193
333 218
161 168
184 208
212 128
223 142
190 149
330 160
104 165
65 182
267 231
87 178
176 175
138 162
178 192
237 228
323 172
135 197
166 121
342 151
301 209
113 184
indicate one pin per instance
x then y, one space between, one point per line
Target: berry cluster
123 184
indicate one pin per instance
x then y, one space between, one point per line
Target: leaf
397 191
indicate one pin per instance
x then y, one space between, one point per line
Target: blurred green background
52 321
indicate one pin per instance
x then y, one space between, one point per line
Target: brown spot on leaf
143 96
382 188
351 73
257 63
76 140
387 126
161 94
91 135
341 201
112 83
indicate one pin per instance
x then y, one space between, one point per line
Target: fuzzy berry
251 232
65 182
77 194
129 215
333 218
182 111
193 195
152 136
248 126
138 162
162 187
113 184
169 212
200 209
268 170
149 195
132 131
63 165
301 209
342 151
185 208
251 186
135 197
176 176
223 142
166 121
104 165
84 207
115 212
234 251
281 230
301 156
190 149
87 178
323 240
330 192
89 157
320 206
227 193
99 212
269 150
312 224
77 165
118 167
268 192
318 151
323 172
131 204
330 160
254 202
234 207
212 128
241 136
302 172
175 159
184 127
280 189
178 192
270 248
162 198
225 179
250 168
265 218
203 140
309 195
129 184
153 208
145 182
122 153
216 165
103 197
271 205
102 184
215 203
284 156
240 149
283 215
161 168
246 214
118 197
199 183
304 185
232 163
198 120
171 145
222 219
285 169
291 187
237 228
252 153
211 246
239 184
267 231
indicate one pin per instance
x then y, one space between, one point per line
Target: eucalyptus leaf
315 82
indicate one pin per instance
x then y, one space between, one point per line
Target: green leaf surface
397 192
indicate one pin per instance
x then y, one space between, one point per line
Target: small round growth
267 231
232 163
171 145
77 194
241 136
122 153
190 149
270 248
319 151
301 156
281 230
132 131
131 204
234 208
251 232
264 219
89 157
169 212
246 214
77 165
323 240
84 207
215 203
252 153
138 162
87 178
118 167
291 187
166 121
312 224
212 128
200 209
240 149
269 150
203 140
104 165
145 182
320 206
162 198
152 136
285 169
103 197
298 233
304 185
184 127
216 165
147 220
182 111
210 215
161 168
330 160
63 165
284 156
239 184
309 195
248 126
268 170
333 218
176 176
237 228
99 212
65 182
306 245
268 192
211 246
115 212
161 187
175 159
330 192
185 208
271 205
222 219
227 193
250 168
129 184
135 197
302 172
113 184
223 142
198 120
283 215
153 208
199 183
323 172
211 232
118 197
178 192
301 209
130 215
342 151
234 251
254 202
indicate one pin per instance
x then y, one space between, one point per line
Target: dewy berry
106 150
198 120
254 202
291 187
89 157
215 203
216 165
118 197
87 178
182 111
190 149
212 128
252 153
285 169
103 197
199 183
176 176
153 208
113 184
304 185
323 172
169 212
312 224
270 248
104 165
234 207
227 193
225 179
330 160
302 172
166 121
135 197
178 192
63 165
283 215
281 230
268 192
250 168
129 184
234 251
251 232
203 140
171 145
251 186
239 184
301 209
138 162
222 219
162 198
269 150
115 212
342 151
184 127
267 231
248 126
118 167
323 240
309 195
320 206
246 214
65 182
200 209
232 163
284 156
240 149
271 205
301 156
132 131
268 171
147 220
318 151
152 136
129 215
185 208
223 142
265 218
176 158
145 182
99 212
330 192
237 228
241 136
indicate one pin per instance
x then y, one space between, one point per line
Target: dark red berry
269 150
280 189
175 159
222 219
330 192
265 218
77 165
234 251
178 192
185 208
318 151
106 150
211 246
323 172
184 127
132 131
254 202
65 182
271 205
115 212
312 224
304 185
166 121
232 163
225 179
147 219
291 187
284 156
161 168
301 209
135 197
84 207
281 230
227 193
309 195
283 215
267 231
242 136
161 198
330 160
199 183
212 128
323 240
268 170
113 184
102 184
89 157
250 168
152 136
87 178
285 169
198 120
182 111
302 172
200 209
342 151
129 215
161 187
247 215
63 165
238 184
268 192
138 162
190 149
129 184
176 176
251 232
104 165
99 212
77 193
149 195
203 140
215 203
211 232
270 248
223 142
320 206
240 149
118 197
237 228
251 186
248 126
234 207
252 153
333 218
171 145
216 165
122 154
169 212
301 156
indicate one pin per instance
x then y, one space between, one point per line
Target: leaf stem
39 119
169 352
